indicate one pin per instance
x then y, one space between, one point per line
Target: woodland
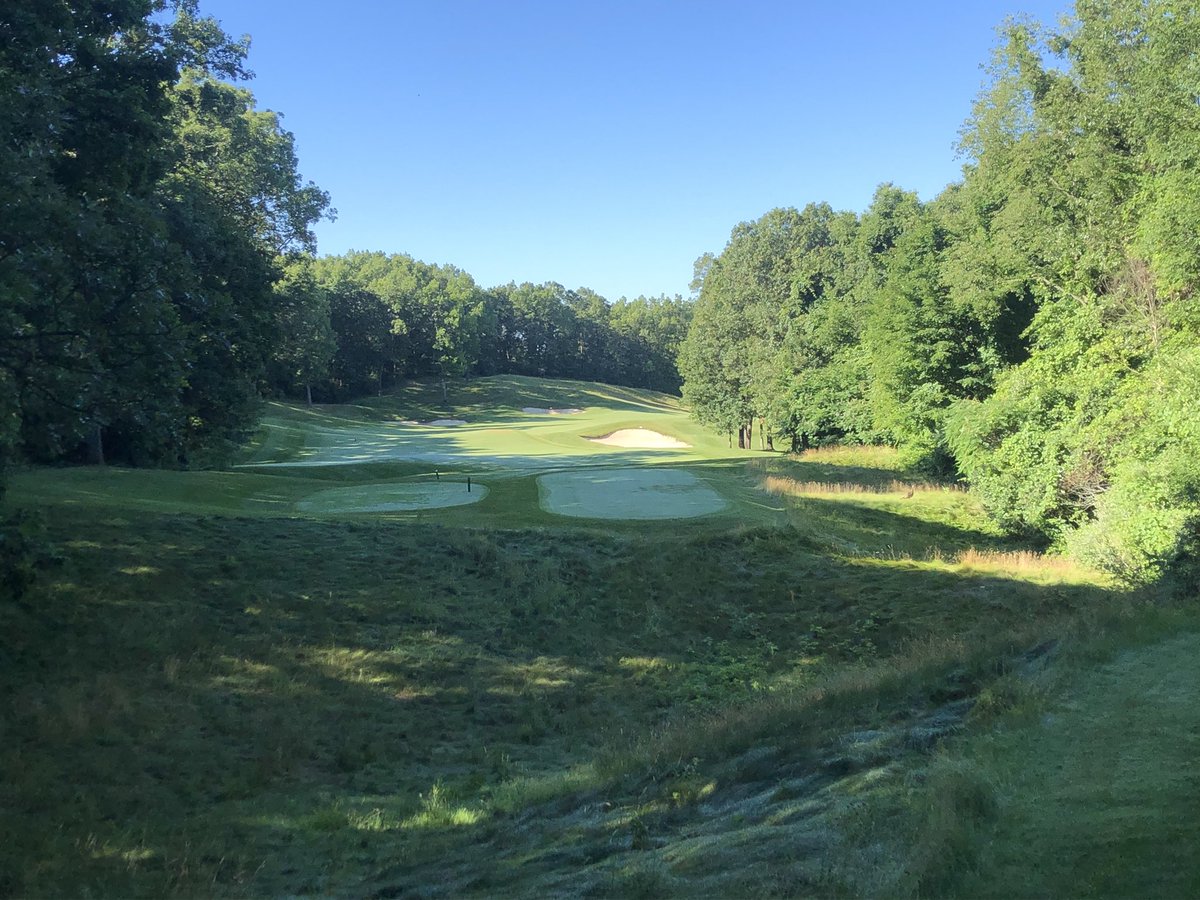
1033 330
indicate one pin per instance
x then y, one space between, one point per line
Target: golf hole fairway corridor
616 493
373 498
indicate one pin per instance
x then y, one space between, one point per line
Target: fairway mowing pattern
369 498
628 494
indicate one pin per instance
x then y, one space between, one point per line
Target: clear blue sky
607 143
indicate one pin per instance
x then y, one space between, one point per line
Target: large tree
145 203
1086 148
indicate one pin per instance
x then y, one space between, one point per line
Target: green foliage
306 344
761 317
145 202
24 553
1028 326
396 318
1088 169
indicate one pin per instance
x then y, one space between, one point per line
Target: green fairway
628 494
382 460
500 429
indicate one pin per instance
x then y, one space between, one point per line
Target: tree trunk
95 446
308 393
742 437
762 433
771 443
445 397
750 435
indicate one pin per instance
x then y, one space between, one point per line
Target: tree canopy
1035 327
147 208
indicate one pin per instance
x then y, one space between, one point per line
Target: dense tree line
147 208
391 317
1035 327
156 257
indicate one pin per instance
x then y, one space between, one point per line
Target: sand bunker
640 439
550 411
447 422
644 493
368 498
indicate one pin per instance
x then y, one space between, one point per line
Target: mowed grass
300 453
210 694
393 497
623 493
498 435
1097 781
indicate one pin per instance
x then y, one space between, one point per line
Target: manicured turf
1100 790
366 498
515 430
611 493
501 431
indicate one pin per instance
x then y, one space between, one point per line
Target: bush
24 552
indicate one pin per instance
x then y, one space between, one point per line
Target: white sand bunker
551 411
447 422
367 498
647 493
640 439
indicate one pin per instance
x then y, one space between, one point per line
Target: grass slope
498 435
1099 789
210 695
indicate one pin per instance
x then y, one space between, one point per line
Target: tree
82 126
1092 209
135 292
306 345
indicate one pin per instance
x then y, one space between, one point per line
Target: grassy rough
210 695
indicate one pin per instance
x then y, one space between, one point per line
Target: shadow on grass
266 706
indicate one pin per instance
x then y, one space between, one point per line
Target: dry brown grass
1023 561
777 486
1020 562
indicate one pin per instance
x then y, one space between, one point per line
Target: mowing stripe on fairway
627 493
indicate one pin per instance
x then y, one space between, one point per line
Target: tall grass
269 706
1020 561
778 485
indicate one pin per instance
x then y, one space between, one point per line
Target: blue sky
608 144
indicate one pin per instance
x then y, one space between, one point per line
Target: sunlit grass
213 695
793 488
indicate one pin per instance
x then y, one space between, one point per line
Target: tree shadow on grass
265 706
